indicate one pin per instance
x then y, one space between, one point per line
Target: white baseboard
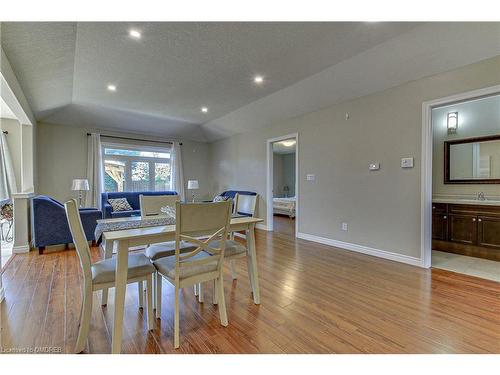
2 294
362 249
21 249
262 227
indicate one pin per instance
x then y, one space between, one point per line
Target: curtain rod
136 139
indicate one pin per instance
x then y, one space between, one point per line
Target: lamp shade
193 184
80 184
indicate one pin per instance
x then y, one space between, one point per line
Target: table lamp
80 185
193 185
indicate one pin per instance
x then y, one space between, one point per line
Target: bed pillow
120 204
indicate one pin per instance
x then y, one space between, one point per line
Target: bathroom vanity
467 227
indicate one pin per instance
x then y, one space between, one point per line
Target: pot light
258 79
289 143
204 109
452 122
111 88
135 34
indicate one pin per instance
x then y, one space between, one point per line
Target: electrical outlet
344 227
310 177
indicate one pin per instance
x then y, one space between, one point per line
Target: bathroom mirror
472 161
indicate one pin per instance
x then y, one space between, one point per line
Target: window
136 168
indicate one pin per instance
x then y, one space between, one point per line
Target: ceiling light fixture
111 88
204 109
289 143
258 79
135 34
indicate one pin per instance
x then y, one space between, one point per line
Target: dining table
120 242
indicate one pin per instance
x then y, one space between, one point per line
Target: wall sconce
452 122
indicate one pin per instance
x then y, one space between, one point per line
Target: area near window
128 167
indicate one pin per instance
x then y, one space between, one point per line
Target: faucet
480 196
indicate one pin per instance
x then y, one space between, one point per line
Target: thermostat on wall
406 162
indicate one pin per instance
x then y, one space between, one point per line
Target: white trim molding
20 249
262 227
2 292
426 178
362 249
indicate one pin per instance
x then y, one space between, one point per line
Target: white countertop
486 202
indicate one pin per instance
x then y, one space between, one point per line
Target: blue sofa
132 198
50 225
232 193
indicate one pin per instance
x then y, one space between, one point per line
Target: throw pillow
120 204
221 198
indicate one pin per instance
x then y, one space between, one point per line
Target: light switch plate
310 177
406 162
374 166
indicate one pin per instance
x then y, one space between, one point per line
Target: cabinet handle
479 220
473 219
433 207
445 217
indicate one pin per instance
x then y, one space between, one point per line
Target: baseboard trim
262 227
2 293
362 249
21 249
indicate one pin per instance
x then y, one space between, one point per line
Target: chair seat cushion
166 266
138 265
166 249
232 247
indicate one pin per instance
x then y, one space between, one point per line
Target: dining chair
200 224
101 275
151 205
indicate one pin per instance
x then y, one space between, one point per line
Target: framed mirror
472 160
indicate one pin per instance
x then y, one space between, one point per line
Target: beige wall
382 208
62 156
476 118
14 143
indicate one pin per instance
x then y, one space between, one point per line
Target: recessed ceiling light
258 79
289 143
204 109
111 88
134 34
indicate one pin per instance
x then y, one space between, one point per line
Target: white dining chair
101 275
194 221
151 204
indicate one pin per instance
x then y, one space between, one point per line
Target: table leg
120 289
252 263
108 253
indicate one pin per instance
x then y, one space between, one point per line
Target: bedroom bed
284 206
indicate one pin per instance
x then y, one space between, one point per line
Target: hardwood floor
315 299
284 225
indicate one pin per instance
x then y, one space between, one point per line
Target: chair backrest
201 224
151 204
246 204
79 239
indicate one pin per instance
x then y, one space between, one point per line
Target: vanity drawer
439 208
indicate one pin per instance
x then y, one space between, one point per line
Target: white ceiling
175 68
5 111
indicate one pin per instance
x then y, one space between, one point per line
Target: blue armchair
50 225
132 198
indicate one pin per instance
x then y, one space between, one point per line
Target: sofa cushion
120 204
117 214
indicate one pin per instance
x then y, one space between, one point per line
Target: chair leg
222 301
83 331
154 290
200 292
214 298
233 269
195 287
140 292
149 297
176 318
159 280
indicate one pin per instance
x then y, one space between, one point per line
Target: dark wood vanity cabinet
467 229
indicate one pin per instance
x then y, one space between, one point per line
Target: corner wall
382 208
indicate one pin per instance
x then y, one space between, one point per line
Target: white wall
382 208
62 156
476 118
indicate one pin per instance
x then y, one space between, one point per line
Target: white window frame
130 159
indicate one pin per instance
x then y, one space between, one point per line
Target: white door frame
270 176
426 183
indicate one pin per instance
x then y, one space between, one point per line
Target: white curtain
177 173
94 171
7 177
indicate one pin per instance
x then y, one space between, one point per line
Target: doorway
282 184
460 217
